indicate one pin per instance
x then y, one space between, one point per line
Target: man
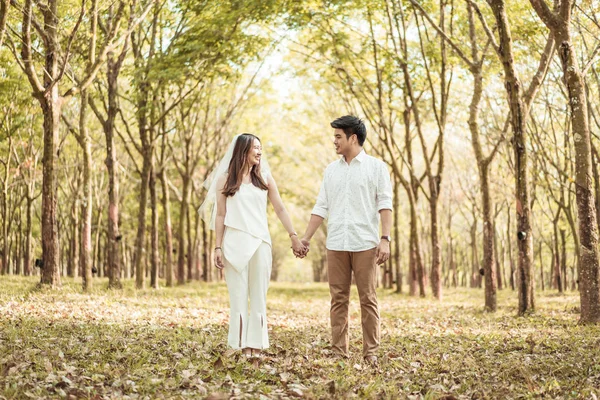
356 190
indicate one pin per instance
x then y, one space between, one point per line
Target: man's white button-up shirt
350 198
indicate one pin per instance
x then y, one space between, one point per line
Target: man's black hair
351 125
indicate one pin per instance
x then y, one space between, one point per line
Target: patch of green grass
171 343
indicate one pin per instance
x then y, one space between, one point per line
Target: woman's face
255 153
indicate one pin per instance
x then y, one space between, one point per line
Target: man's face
341 142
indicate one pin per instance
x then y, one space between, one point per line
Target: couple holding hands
355 194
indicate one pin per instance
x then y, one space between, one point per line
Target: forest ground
170 343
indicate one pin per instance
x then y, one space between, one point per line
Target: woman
240 186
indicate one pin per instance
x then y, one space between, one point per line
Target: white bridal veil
208 209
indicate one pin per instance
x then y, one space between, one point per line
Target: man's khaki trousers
341 264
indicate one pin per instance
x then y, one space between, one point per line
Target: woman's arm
284 217
220 221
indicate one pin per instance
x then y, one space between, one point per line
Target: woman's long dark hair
239 159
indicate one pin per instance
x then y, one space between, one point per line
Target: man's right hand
303 251
306 244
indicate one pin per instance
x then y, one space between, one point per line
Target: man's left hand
383 252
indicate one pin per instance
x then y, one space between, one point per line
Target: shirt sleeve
320 207
384 189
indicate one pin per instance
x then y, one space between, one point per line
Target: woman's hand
219 259
299 249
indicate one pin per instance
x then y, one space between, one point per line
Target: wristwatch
388 238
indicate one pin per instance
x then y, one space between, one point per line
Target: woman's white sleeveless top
246 225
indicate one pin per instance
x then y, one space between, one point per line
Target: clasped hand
300 248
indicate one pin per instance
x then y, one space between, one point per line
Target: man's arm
383 250
384 205
386 222
313 225
319 213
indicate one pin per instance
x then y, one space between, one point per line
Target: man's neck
352 154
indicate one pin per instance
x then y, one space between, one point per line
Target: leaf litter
171 344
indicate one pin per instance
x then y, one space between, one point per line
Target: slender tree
558 21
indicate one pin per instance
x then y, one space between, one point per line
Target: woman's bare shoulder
221 179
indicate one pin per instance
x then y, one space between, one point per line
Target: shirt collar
359 157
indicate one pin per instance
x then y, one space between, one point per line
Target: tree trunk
19 247
96 267
559 23
86 203
154 233
436 257
589 268
205 253
517 115
192 272
541 265
563 259
114 237
454 268
75 239
183 207
435 181
475 280
412 268
140 248
556 257
489 267
497 258
510 254
169 273
595 161
5 229
415 251
396 255
29 236
51 105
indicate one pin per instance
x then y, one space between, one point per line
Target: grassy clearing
169 343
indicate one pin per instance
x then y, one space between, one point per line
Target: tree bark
510 254
475 277
206 252
51 106
154 230
416 251
517 117
140 248
181 232
483 166
396 256
114 237
541 266
86 203
6 195
558 283
563 259
4 4
143 63
169 273
589 269
191 252
29 236
559 23
498 261
75 239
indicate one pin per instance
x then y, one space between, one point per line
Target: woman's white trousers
248 324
